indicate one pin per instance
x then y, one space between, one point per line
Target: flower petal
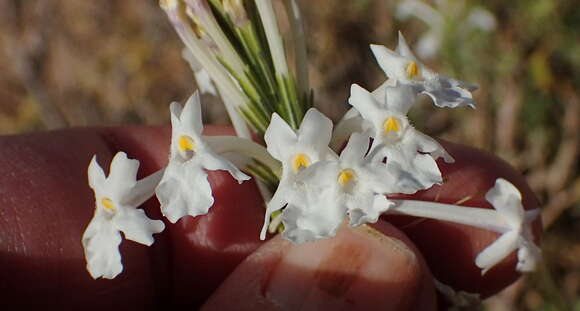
403 48
213 162
400 97
204 82
427 144
122 176
279 135
355 149
506 199
497 251
136 226
392 64
191 115
368 211
380 94
528 257
278 201
420 170
175 110
350 123
184 190
101 245
315 130
387 179
292 232
321 174
447 92
365 103
318 216
96 174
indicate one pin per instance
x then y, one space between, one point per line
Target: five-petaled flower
402 66
297 151
116 199
396 139
352 184
184 188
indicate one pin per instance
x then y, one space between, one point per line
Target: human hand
217 260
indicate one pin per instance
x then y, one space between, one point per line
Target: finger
450 249
47 204
359 269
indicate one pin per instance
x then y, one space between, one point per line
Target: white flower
330 189
297 151
184 188
396 139
115 212
507 201
401 65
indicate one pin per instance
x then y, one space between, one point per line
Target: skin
217 261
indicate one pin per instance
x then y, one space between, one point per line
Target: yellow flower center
392 124
300 161
186 143
108 204
412 70
345 176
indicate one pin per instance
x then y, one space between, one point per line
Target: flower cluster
316 184
182 189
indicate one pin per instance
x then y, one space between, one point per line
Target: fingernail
359 269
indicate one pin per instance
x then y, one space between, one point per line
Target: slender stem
289 105
477 217
227 87
484 218
299 47
202 10
145 188
240 125
264 192
228 144
244 147
273 36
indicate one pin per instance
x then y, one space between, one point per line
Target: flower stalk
299 40
204 56
240 45
483 218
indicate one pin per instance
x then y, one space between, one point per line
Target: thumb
360 269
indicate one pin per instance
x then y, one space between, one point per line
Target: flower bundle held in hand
311 187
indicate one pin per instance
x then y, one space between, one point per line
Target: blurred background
81 63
